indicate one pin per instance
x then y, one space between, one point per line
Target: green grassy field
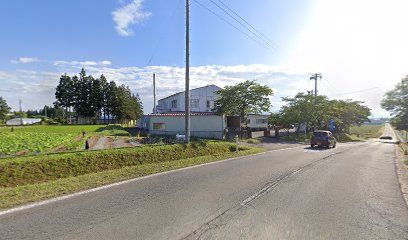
48 138
367 131
36 142
63 129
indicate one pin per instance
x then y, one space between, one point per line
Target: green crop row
27 142
65 129
42 168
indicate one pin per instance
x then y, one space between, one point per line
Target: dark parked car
386 137
323 138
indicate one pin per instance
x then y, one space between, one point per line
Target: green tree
243 98
316 112
126 105
279 121
111 99
92 97
305 110
4 109
104 92
396 101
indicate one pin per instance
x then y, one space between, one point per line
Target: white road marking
44 202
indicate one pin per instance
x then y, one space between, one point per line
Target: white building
201 100
22 121
257 122
203 125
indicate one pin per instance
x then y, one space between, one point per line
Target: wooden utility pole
154 93
315 76
21 113
187 92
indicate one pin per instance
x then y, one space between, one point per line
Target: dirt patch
101 143
120 143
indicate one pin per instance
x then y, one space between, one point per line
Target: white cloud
129 15
24 60
38 88
170 80
82 64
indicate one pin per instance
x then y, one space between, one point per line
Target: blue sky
355 44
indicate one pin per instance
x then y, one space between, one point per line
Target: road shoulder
402 172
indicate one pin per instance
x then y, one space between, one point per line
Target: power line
246 27
232 25
358 91
256 30
160 40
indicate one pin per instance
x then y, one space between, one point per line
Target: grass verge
42 168
367 131
14 196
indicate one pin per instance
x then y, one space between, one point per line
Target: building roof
190 90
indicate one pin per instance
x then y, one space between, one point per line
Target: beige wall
200 126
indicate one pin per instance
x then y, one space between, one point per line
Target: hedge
42 168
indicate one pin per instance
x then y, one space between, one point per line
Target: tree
243 98
4 108
104 92
92 97
279 121
316 112
126 105
396 101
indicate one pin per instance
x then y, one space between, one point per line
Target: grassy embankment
357 133
33 178
403 145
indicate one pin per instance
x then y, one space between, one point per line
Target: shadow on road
317 148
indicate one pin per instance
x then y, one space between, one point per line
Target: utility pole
21 113
45 110
187 92
154 93
315 77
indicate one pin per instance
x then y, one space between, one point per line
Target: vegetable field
74 129
30 142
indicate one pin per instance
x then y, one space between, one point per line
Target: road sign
332 125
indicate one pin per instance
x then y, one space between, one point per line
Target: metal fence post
236 142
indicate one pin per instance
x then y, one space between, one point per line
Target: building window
259 121
174 104
194 103
208 104
159 126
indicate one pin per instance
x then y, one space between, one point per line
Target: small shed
257 122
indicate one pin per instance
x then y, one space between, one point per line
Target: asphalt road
350 192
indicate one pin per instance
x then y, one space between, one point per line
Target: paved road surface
350 192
